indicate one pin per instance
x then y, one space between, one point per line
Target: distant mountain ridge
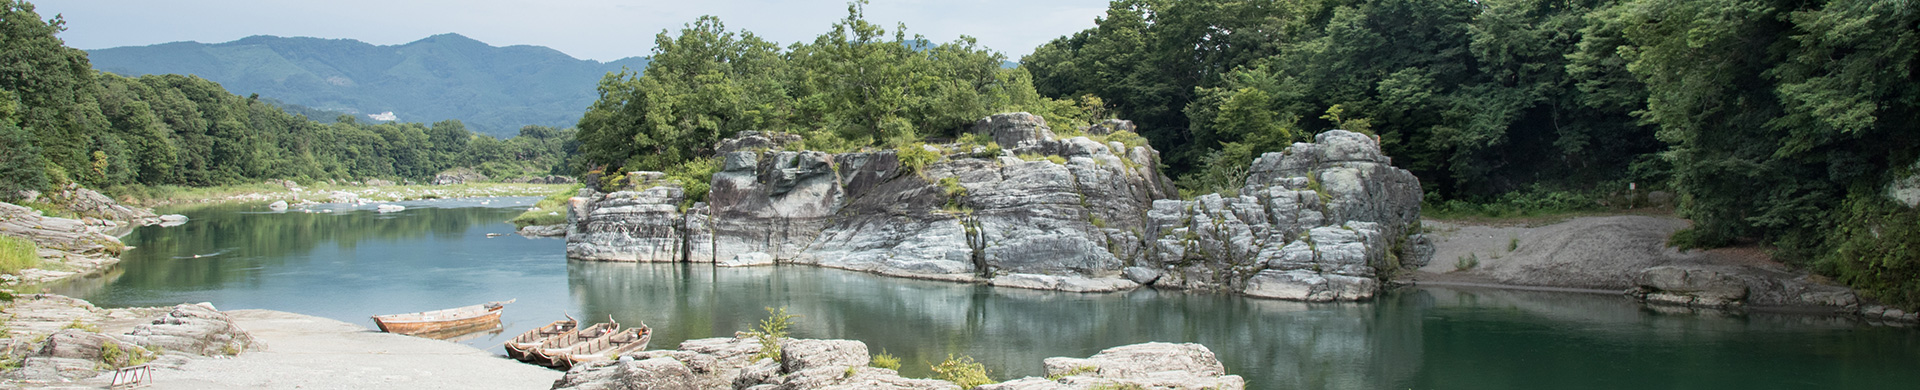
494 90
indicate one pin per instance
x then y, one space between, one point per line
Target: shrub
115 356
915 156
1467 263
696 176
885 360
962 371
17 254
772 330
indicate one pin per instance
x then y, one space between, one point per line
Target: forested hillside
63 122
494 90
1777 122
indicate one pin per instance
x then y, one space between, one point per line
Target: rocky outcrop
1138 366
1317 222
1721 286
197 329
641 224
721 363
76 246
58 339
843 364
458 176
544 230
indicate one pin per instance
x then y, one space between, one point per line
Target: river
354 263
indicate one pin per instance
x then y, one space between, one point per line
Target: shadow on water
352 264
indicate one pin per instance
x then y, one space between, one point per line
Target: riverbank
296 194
1628 254
60 342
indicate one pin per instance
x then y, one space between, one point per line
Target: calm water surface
355 263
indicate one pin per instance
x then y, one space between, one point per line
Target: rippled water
352 264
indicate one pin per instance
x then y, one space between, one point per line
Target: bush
17 254
772 330
885 360
962 371
915 156
696 176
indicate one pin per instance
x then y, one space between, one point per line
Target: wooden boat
464 333
551 352
606 348
521 345
440 320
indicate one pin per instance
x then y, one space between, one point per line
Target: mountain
494 90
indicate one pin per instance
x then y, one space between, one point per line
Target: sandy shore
306 352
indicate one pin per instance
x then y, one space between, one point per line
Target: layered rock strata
1030 210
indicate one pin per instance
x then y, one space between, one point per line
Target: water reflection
353 264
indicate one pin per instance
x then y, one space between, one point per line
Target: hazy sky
602 30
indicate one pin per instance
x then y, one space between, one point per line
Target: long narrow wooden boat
521 345
440 320
606 348
550 353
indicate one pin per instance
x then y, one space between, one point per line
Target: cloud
602 30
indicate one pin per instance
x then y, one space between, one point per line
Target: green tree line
63 122
1777 122
857 85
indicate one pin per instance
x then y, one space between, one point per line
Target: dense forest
1777 123
63 122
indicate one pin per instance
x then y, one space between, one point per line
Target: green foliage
17 254
696 176
1877 250
771 332
1532 201
81 325
116 356
551 210
851 87
885 360
915 157
62 122
1225 172
1466 263
963 371
954 192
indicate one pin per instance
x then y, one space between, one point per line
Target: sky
603 30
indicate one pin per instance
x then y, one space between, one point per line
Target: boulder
278 205
192 328
802 355
1144 366
659 373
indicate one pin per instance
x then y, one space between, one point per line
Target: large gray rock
1313 223
640 226
1143 366
722 363
660 373
192 328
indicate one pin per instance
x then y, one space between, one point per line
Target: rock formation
720 363
56 339
1031 210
